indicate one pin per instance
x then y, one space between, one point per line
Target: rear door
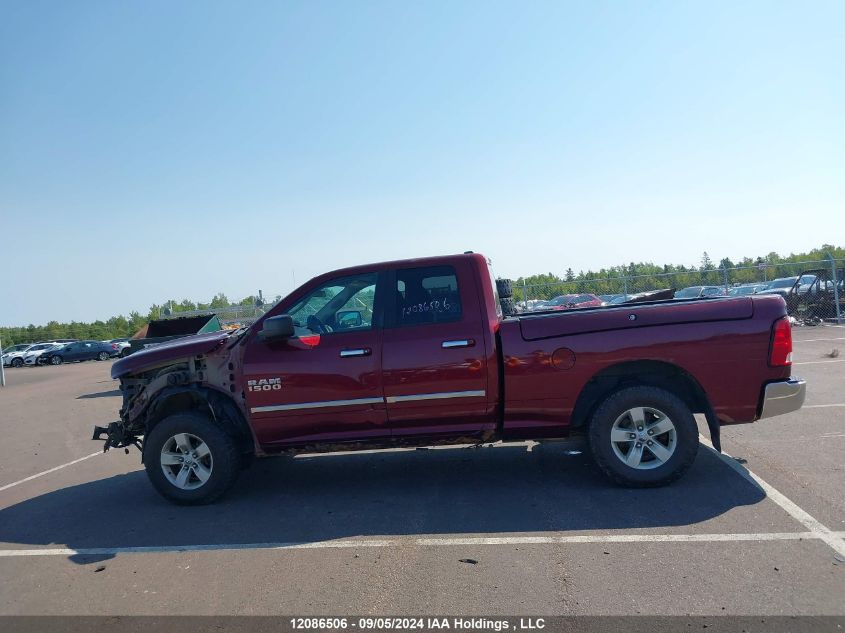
70 352
324 385
433 358
89 350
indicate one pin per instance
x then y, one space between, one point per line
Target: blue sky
155 149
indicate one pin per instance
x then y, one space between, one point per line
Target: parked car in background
814 295
568 302
694 292
32 355
783 285
15 348
122 345
79 351
13 355
746 289
532 305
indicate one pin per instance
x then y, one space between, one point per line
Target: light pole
2 371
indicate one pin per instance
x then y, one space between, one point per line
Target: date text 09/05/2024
411 623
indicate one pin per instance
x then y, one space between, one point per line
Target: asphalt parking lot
510 529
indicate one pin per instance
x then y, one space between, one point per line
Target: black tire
508 307
17 362
505 288
225 465
103 356
124 352
685 438
56 360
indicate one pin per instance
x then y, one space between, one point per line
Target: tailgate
570 322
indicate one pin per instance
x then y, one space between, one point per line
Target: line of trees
643 276
117 326
634 277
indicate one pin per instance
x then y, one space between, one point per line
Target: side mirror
277 328
346 319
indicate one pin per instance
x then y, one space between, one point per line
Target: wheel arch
651 373
218 406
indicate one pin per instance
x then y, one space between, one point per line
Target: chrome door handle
464 342
363 351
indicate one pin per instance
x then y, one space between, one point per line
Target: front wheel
643 437
190 460
55 360
17 362
103 356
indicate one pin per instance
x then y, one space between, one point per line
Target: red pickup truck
417 352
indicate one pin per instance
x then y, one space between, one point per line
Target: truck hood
170 350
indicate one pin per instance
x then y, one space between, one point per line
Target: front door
433 360
324 384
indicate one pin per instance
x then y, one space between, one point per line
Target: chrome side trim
315 405
783 397
436 396
389 399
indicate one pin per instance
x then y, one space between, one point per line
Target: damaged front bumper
116 436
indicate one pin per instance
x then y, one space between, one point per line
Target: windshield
786 282
743 290
688 293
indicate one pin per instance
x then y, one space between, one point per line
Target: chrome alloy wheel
643 438
186 461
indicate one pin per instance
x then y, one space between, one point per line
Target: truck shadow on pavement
100 394
500 490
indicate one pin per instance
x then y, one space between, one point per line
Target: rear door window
427 295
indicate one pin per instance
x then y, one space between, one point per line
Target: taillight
114 346
781 352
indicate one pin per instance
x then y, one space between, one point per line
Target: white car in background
122 345
32 354
13 356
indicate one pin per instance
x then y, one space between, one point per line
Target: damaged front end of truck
195 373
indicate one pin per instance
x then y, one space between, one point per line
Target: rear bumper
783 397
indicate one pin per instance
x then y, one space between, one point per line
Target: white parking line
821 406
47 472
816 340
820 362
836 542
422 542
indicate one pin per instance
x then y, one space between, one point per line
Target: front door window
344 304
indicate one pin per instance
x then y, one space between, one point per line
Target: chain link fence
814 291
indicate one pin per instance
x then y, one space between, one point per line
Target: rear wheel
55 360
643 437
103 356
190 460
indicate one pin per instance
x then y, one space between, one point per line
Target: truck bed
549 358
